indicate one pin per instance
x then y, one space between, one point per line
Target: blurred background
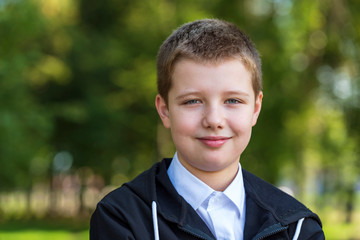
77 115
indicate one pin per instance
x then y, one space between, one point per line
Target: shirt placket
218 205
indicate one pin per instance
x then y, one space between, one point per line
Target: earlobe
162 110
257 109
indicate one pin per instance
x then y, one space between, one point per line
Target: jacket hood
155 185
285 208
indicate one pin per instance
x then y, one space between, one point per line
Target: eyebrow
234 92
190 93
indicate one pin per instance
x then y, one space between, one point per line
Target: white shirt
223 212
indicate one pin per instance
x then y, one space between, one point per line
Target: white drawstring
155 221
298 228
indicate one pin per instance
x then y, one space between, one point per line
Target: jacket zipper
260 238
271 233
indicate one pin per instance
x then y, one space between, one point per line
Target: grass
54 229
342 232
44 235
335 227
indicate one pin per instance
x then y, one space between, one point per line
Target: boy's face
211 111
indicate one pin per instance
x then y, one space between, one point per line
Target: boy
209 83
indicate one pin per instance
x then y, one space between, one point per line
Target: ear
258 102
162 110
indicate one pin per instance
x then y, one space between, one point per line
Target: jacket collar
174 208
270 209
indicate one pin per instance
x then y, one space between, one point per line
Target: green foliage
25 125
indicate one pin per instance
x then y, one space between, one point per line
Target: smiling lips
214 141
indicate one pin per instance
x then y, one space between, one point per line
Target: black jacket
126 213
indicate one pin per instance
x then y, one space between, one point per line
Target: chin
215 166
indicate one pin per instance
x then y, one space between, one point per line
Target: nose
213 118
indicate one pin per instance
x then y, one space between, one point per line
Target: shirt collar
195 195
181 178
236 192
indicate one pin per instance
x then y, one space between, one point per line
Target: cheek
241 124
183 124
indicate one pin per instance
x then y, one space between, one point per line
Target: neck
217 180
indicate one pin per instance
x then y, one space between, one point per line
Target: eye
233 101
192 101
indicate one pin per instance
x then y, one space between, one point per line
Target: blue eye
232 101
192 101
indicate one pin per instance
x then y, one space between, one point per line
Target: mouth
214 141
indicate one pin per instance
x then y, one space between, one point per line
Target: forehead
228 73
211 63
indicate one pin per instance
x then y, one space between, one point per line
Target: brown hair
207 40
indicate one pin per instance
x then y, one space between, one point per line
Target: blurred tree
340 83
25 125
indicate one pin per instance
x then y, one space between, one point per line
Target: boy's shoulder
286 208
142 187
